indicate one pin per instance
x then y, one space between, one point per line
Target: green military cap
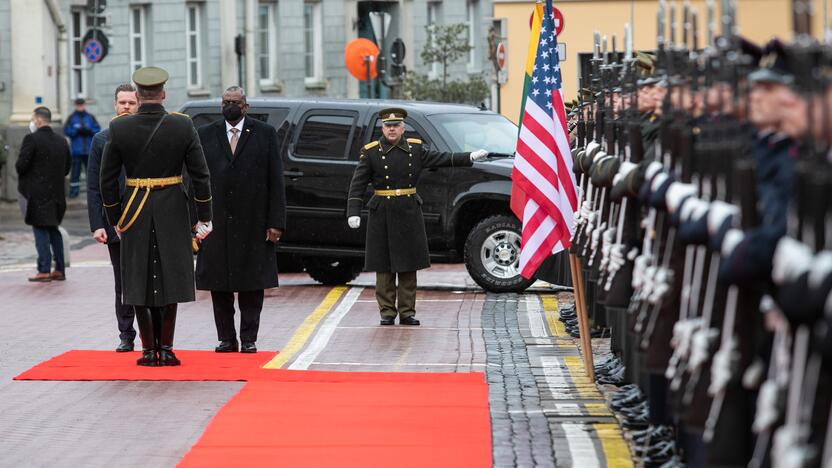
148 77
392 115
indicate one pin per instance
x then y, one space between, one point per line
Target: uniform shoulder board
120 115
181 114
414 141
371 145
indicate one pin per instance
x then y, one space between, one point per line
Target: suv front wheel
492 255
333 271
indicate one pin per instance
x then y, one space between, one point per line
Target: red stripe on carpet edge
109 365
345 419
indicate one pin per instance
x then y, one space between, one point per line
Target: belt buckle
398 192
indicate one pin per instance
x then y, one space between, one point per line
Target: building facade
286 48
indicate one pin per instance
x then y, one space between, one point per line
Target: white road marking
381 364
326 330
582 449
536 325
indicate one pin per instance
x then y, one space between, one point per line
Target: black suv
466 210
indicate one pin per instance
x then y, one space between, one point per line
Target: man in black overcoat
250 206
42 165
152 216
104 233
396 241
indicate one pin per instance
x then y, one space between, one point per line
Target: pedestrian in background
250 203
80 127
103 233
42 165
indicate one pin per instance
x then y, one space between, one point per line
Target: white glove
354 221
478 155
203 229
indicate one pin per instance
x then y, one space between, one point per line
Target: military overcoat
396 239
157 265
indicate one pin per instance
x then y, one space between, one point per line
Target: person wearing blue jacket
80 127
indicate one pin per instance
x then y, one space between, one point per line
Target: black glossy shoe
125 346
148 358
226 346
409 321
388 321
652 435
248 347
629 402
167 358
625 395
635 424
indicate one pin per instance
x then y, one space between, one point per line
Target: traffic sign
501 55
93 50
558 17
95 45
559 23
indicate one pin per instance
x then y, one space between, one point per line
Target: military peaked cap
392 115
148 77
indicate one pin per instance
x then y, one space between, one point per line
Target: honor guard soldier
396 241
152 217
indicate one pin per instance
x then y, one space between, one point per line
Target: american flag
544 193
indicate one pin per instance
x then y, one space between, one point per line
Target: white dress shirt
239 128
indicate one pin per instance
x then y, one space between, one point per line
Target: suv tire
492 255
333 271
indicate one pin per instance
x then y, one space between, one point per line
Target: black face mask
232 112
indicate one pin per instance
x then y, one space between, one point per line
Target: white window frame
432 21
267 77
193 35
141 34
317 43
471 21
81 67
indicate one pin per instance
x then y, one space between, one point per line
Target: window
433 19
138 49
79 72
471 11
409 132
267 43
312 41
325 136
469 132
194 44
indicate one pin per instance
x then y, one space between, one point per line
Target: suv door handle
293 174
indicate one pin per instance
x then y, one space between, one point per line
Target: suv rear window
325 136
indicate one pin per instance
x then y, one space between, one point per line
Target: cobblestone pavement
544 413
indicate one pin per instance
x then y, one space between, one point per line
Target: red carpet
109 365
344 419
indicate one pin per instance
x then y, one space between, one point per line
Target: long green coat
396 239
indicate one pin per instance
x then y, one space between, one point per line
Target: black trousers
124 313
250 302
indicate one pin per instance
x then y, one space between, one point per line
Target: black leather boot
166 356
148 337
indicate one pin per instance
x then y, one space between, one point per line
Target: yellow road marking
305 329
586 388
597 409
612 442
550 307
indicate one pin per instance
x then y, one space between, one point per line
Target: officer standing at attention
152 219
396 241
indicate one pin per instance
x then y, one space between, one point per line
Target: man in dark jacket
396 241
42 165
102 232
80 127
152 217
250 203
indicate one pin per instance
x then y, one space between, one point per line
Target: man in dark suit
250 202
152 216
103 233
43 164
